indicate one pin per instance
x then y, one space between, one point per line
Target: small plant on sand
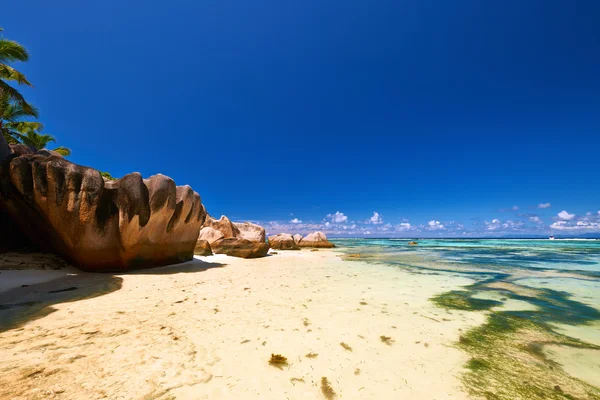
326 388
345 346
387 340
278 361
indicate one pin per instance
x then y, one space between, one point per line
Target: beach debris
311 355
387 340
363 303
345 346
305 321
278 361
413 243
314 249
326 388
245 341
64 290
357 371
294 380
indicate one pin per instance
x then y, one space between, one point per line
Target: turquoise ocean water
564 274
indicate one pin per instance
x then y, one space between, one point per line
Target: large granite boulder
297 238
283 241
117 225
243 248
223 224
251 232
202 248
315 240
210 235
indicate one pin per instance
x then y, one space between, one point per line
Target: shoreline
207 328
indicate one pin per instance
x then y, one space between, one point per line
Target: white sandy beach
206 330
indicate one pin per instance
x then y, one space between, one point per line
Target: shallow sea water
555 284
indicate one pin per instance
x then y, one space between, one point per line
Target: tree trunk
4 148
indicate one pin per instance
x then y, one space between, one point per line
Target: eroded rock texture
283 241
115 225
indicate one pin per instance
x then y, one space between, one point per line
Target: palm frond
36 140
13 95
25 126
10 74
13 112
11 51
9 138
63 151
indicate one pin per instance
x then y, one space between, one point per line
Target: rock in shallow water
117 225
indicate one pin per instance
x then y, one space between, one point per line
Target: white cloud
514 225
404 226
565 215
337 218
492 226
435 225
515 208
544 205
536 219
295 221
579 226
375 219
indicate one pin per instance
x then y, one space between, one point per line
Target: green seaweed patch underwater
507 359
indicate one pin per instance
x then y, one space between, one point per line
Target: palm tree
13 119
37 141
11 51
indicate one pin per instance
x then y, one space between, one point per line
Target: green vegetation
108 176
507 357
463 300
16 114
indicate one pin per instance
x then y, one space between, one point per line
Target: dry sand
206 330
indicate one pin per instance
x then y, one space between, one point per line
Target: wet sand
206 330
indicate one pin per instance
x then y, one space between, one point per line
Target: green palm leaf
11 51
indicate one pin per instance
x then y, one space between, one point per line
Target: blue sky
442 115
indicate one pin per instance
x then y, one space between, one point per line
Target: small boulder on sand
243 248
202 248
316 240
283 241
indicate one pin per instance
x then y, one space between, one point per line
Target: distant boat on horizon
551 237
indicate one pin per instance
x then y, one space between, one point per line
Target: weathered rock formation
243 248
237 239
297 238
315 240
283 241
251 232
210 234
99 225
223 225
202 248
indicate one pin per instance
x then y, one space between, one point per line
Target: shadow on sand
22 304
